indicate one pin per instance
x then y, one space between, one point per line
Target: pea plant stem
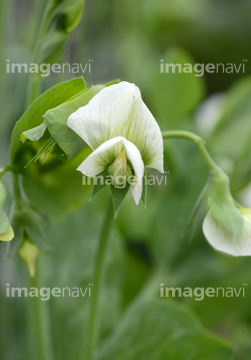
39 321
35 78
198 141
5 169
37 310
16 188
93 324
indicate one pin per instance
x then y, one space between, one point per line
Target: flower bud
222 205
120 170
29 253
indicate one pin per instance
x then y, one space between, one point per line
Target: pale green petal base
221 241
107 152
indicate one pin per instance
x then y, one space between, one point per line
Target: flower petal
118 110
220 240
134 156
144 132
100 158
104 116
106 153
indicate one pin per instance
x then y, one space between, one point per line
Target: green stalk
3 17
5 169
39 320
34 85
16 188
37 310
199 142
93 324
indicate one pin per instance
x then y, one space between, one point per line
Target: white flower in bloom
220 240
122 133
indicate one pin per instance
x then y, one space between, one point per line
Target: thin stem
35 78
196 140
37 310
5 169
39 319
17 190
97 284
207 157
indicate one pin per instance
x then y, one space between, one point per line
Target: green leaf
34 115
236 105
61 17
223 207
232 136
177 94
55 189
34 134
56 122
30 223
118 196
157 330
98 184
138 265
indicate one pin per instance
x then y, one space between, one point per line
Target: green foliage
56 122
33 117
60 19
158 330
99 185
46 181
44 185
176 94
54 189
118 196
27 224
231 139
34 134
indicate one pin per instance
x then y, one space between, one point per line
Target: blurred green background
126 40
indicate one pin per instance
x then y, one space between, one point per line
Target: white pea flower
221 241
122 133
